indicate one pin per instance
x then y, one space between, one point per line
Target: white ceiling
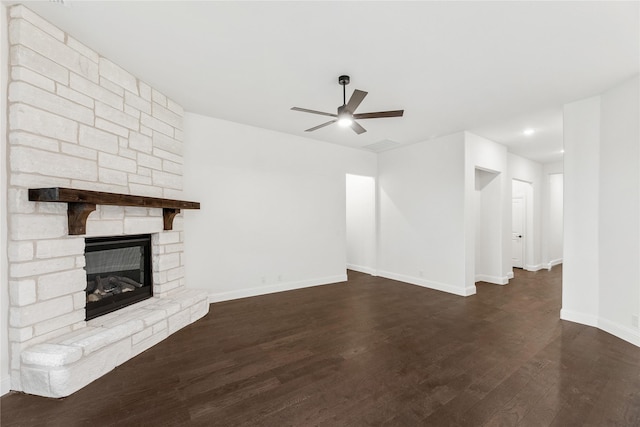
489 67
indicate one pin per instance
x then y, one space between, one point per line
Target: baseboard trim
623 332
464 292
535 267
496 280
510 275
582 318
5 386
270 289
553 263
361 269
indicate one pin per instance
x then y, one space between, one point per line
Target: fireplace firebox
118 272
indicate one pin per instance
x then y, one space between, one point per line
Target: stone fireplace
79 121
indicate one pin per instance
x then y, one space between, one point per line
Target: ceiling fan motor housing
344 80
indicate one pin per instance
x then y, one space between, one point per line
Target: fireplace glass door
118 272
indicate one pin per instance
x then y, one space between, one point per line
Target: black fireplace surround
118 272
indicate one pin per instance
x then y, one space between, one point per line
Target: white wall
361 223
272 212
619 219
553 254
601 274
581 186
421 215
5 380
494 230
522 169
488 227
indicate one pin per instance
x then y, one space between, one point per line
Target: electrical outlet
264 280
421 273
279 277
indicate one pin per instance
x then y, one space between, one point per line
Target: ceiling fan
346 112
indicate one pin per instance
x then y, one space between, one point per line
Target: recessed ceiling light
528 132
562 151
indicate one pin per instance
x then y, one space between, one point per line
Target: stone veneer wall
78 120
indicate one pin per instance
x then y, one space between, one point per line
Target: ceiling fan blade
355 100
379 114
320 126
305 110
357 128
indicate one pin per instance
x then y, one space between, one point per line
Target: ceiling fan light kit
346 115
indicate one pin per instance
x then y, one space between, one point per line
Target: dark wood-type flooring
369 352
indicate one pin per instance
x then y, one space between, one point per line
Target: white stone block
29 180
167 155
67 246
175 274
81 262
98 139
126 153
40 64
145 91
109 85
25 117
156 124
20 11
111 127
33 226
111 176
167 143
199 310
110 161
137 102
163 114
139 179
168 261
51 355
20 334
82 49
141 336
18 201
95 91
167 180
111 212
136 211
40 98
98 186
80 301
148 343
34 141
29 160
40 311
20 251
133 112
179 320
151 317
143 171
158 97
148 161
142 225
175 107
145 190
105 228
168 237
67 380
177 247
146 131
171 193
26 34
74 96
63 283
116 116
51 208
22 292
160 326
35 381
168 287
171 167
36 79
178 135
118 75
75 150
140 142
159 277
60 322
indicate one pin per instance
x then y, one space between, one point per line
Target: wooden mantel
80 203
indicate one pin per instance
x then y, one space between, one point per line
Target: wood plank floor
369 352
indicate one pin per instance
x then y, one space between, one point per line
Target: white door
517 234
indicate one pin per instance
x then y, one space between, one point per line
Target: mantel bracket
77 214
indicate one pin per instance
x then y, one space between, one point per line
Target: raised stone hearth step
70 362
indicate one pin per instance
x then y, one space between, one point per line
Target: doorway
361 223
522 238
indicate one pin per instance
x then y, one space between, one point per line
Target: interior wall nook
361 223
